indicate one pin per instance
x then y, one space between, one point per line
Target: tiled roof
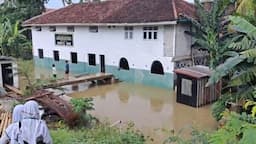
116 11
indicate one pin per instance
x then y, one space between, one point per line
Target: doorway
7 75
102 63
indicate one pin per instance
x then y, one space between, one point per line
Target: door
7 75
102 63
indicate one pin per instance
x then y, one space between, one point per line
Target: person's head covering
32 128
17 113
31 110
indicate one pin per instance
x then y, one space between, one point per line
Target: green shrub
81 106
101 134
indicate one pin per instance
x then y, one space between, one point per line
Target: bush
81 106
101 134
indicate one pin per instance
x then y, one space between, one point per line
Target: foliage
20 10
235 131
240 67
220 106
210 31
197 137
101 134
25 70
13 40
81 106
246 8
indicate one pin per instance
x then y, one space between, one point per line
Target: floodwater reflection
148 107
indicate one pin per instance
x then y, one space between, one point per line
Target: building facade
136 46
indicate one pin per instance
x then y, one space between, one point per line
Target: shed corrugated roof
197 72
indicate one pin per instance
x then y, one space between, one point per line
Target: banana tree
15 41
11 38
210 30
5 28
241 65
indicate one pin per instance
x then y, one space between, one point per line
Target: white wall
183 41
110 42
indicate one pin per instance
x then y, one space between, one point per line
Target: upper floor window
128 32
150 32
64 39
38 28
52 28
111 26
93 29
70 29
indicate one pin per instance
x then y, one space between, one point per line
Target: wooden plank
2 123
38 96
93 77
5 121
14 89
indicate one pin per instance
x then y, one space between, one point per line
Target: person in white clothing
33 129
11 133
54 71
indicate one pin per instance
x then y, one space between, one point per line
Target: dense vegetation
14 40
235 47
100 134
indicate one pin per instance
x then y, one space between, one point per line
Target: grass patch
100 134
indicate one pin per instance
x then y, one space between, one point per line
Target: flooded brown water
151 109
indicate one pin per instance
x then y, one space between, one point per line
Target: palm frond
240 24
224 69
243 77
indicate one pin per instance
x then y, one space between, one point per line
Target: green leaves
225 68
209 30
240 24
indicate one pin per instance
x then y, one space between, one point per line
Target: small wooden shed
191 86
8 69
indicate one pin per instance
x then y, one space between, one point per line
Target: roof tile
115 11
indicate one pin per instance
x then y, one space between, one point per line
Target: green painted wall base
132 75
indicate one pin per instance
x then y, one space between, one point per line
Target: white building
136 40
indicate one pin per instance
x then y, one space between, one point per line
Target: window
70 29
93 29
38 28
92 59
150 32
56 56
157 68
123 64
52 28
64 39
128 32
110 27
73 57
40 53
